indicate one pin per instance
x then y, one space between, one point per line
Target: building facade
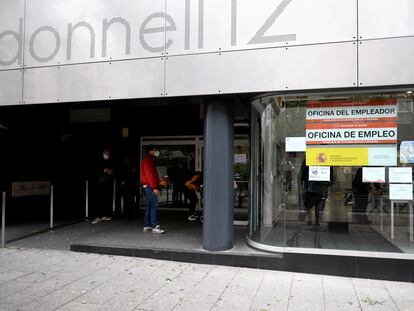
331 102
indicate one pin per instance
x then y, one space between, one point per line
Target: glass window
333 172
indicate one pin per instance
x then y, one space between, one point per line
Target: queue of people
104 172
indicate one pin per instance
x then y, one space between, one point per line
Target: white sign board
319 173
400 175
240 158
385 155
295 144
373 174
351 122
401 192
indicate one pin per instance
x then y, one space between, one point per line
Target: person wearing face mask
150 182
103 181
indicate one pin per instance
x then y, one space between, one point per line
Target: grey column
218 177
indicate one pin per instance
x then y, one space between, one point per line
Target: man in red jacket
150 182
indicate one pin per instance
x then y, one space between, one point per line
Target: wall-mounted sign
401 192
351 122
373 174
295 144
400 175
319 173
240 158
407 152
348 156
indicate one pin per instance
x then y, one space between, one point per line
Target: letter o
391 133
31 44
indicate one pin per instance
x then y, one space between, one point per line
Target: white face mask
106 156
156 153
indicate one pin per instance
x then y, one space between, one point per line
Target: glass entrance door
182 155
179 157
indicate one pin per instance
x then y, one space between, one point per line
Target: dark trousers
102 205
312 199
128 194
191 196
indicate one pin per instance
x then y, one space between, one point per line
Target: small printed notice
373 174
382 156
400 175
407 152
295 144
240 158
401 192
319 173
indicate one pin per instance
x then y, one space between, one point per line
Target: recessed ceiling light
409 92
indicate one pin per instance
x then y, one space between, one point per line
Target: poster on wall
319 173
351 122
373 174
407 152
402 192
400 175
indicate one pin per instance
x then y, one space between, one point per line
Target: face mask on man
156 153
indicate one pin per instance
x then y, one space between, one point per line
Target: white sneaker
192 217
147 228
96 220
157 229
106 218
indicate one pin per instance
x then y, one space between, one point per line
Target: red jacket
149 175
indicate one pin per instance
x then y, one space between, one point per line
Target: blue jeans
150 217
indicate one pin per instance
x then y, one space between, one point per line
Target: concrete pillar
218 177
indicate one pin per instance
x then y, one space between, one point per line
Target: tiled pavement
62 280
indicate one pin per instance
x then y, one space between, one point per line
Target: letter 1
233 22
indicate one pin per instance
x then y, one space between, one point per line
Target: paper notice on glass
373 174
295 144
401 192
240 158
407 152
319 173
400 175
382 156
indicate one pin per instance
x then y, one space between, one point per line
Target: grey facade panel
385 19
11 34
386 62
97 81
293 68
217 25
64 32
10 87
212 46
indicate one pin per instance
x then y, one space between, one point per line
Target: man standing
103 182
150 182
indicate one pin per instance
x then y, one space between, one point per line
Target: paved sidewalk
61 280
